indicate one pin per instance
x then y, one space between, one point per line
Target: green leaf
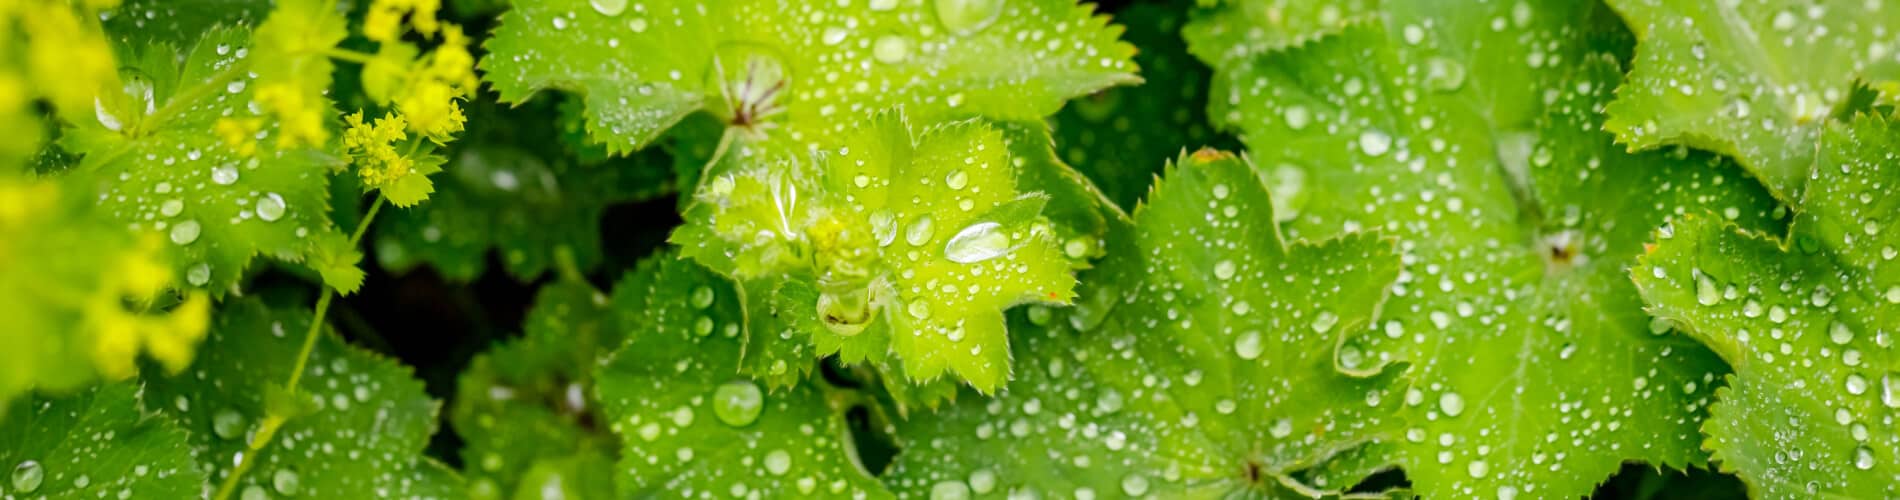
691 424
525 409
1242 29
180 21
813 70
1120 137
94 442
1753 80
1212 376
1807 324
921 237
512 187
1470 134
155 164
368 422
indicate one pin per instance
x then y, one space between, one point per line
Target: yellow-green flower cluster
50 50
372 148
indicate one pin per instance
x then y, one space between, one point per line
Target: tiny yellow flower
300 119
239 133
372 148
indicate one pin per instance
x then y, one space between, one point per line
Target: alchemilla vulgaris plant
949 249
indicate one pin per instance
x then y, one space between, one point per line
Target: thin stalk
268 427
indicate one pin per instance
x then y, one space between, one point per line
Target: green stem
268 427
343 54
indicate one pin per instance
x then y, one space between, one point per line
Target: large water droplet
1248 345
225 175
106 118
270 207
1452 404
702 297
1296 117
254 492
1840 333
966 17
891 49
777 462
171 207
1444 74
1705 290
956 179
980 242
949 489
198 274
884 227
227 423
27 477
184 233
286 481
1374 143
983 481
1135 484
920 231
1324 321
609 8
738 403
1863 458
1224 270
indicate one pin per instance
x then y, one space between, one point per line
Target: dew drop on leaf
27 476
1863 458
950 490
227 423
270 207
1248 345
608 8
977 243
254 492
225 175
184 233
920 231
1135 484
966 17
1840 333
171 207
1705 291
891 49
1224 270
1325 321
777 462
1374 143
286 482
1452 404
198 275
702 297
884 227
738 403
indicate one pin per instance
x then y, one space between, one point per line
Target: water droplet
703 326
1248 345
966 17
1890 390
1281 428
270 207
228 423
1135 484
1863 458
609 8
1324 321
702 297
1840 333
983 481
286 481
1659 326
777 462
1374 143
199 274
254 492
184 233
738 403
957 179
1224 270
234 87
1077 247
106 118
891 49
27 476
560 23
1856 384
918 309
1296 117
171 207
920 231
1478 468
225 175
1821 297
638 24
1452 404
949 489
1444 74
884 227
1705 291
977 243
835 35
